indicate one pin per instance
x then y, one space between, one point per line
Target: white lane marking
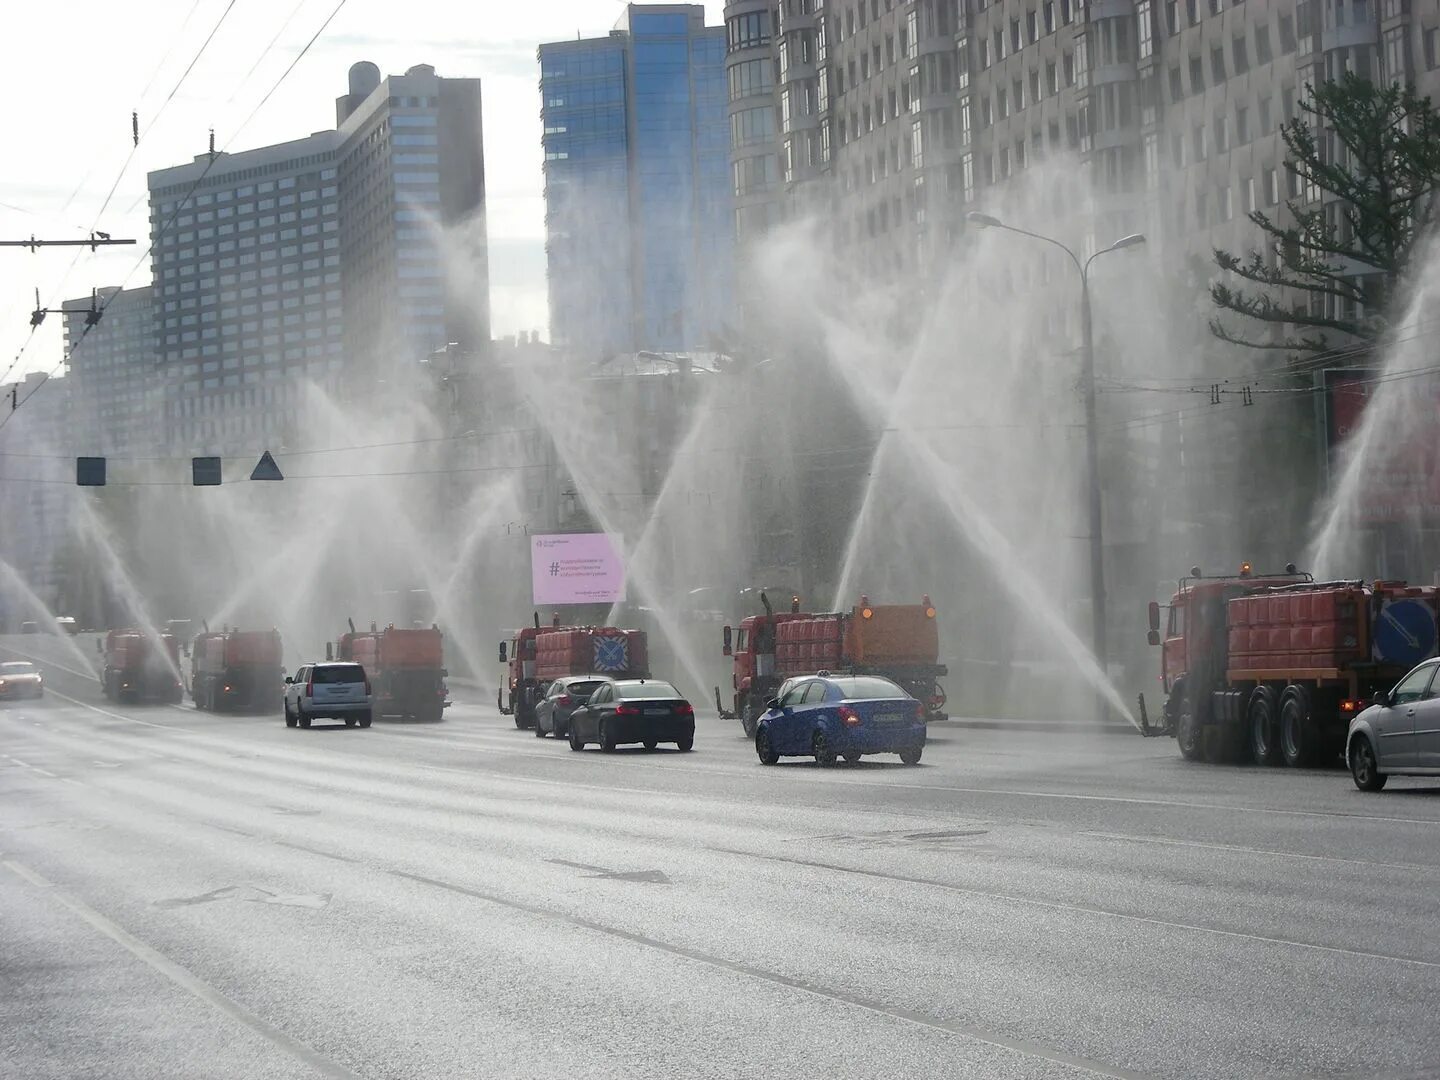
893 1012
29 875
185 979
32 768
1265 852
115 715
50 663
1060 905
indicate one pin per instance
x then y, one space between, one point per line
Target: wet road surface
186 895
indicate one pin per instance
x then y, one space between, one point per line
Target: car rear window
339 673
860 687
647 690
583 689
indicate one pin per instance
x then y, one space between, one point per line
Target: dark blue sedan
834 716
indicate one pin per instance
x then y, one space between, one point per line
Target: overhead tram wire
180 204
59 290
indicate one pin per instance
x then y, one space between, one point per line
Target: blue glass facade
637 194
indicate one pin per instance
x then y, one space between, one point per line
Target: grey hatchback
565 695
1399 735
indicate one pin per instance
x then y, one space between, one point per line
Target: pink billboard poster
576 568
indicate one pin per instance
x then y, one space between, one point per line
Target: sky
76 69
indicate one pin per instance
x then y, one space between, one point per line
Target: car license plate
890 718
657 712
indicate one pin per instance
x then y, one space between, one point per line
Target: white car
335 690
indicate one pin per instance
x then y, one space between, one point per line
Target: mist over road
185 894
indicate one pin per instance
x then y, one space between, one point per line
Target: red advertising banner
1401 479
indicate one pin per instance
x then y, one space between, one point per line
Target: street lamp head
983 221
1133 240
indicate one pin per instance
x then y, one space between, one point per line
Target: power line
180 204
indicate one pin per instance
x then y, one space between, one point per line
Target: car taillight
919 710
367 687
565 699
627 710
848 716
310 687
685 708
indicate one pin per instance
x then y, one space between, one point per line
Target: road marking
934 1023
116 715
1060 905
32 768
184 978
1267 852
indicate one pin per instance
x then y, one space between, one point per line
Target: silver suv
337 691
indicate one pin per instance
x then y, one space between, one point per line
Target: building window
1048 10
1264 118
1199 141
1242 125
1031 28
1145 29
1240 54
1430 39
1197 75
1249 195
1052 77
748 31
1262 43
1394 56
1217 65
1272 187
1222 133
1222 203
917 144
1177 91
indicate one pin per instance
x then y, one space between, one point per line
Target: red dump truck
899 641
1273 667
236 669
140 666
406 669
538 655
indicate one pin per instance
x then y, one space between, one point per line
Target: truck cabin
1195 630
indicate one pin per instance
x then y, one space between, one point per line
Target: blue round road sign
1404 633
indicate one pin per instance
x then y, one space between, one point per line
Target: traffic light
90 471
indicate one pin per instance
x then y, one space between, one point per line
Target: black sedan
645 711
562 698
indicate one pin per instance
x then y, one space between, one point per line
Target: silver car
1399 735
335 691
562 698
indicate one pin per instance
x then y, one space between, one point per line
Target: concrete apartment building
115 394
639 240
316 259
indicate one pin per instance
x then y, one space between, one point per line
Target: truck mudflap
725 714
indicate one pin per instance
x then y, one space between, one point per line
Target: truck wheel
1264 723
1188 732
1363 769
1298 737
520 721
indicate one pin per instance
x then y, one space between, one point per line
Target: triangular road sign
266 469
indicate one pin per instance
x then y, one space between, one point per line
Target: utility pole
97 240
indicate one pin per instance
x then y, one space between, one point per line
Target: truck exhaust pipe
765 603
352 625
537 619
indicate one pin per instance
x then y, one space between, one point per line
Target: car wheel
349 721
1363 767
852 759
365 718
763 750
576 743
911 756
519 721
539 731
686 744
289 716
650 744
304 720
607 738
820 747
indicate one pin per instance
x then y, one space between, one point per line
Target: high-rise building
35 521
114 392
313 259
637 184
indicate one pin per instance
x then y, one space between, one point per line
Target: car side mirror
502 652
773 703
1153 637
727 647
1381 698
288 680
1154 617
444 673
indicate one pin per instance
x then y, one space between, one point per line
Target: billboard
576 568
1402 476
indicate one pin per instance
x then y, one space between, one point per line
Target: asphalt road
190 895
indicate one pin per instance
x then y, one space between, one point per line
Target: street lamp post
1092 451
